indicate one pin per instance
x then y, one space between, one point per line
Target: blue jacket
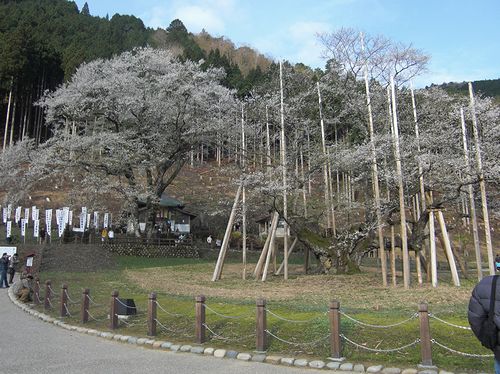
4 263
479 307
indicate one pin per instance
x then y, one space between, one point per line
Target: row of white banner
64 217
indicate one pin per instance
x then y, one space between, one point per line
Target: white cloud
197 17
211 15
296 43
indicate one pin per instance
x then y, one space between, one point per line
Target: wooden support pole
425 335
432 239
284 166
399 172
200 324
289 253
261 326
447 246
225 242
393 256
267 244
63 305
48 294
113 309
152 305
375 180
472 203
84 312
270 253
36 291
334 314
482 184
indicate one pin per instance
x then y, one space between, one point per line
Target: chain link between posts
170 313
92 301
293 320
67 310
93 318
412 317
434 341
390 350
227 316
53 292
217 336
165 328
449 323
69 298
297 344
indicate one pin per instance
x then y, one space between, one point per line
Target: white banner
33 212
59 214
23 227
36 229
26 213
65 216
83 221
4 214
88 220
96 220
9 229
18 214
36 214
70 218
106 219
9 211
48 220
60 230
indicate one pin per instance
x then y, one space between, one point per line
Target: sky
461 36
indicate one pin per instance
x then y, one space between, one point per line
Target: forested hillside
489 87
43 42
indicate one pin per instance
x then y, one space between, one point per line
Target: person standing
485 295
111 234
497 262
13 263
4 265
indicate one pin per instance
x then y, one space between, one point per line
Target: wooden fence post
200 328
152 314
63 311
36 291
48 294
425 335
334 314
113 317
261 325
85 305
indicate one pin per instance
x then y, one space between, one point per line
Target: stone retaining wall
152 250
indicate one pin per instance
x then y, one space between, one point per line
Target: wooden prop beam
225 242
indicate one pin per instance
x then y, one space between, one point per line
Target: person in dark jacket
4 265
479 307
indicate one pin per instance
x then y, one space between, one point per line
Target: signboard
33 212
18 214
106 219
9 229
36 229
9 210
23 227
96 220
26 213
4 214
9 250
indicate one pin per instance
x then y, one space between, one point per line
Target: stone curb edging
223 353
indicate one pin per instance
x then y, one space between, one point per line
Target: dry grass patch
359 291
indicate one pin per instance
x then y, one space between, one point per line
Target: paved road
29 345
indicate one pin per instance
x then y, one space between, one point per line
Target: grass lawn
301 298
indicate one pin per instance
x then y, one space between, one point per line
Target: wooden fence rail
261 332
